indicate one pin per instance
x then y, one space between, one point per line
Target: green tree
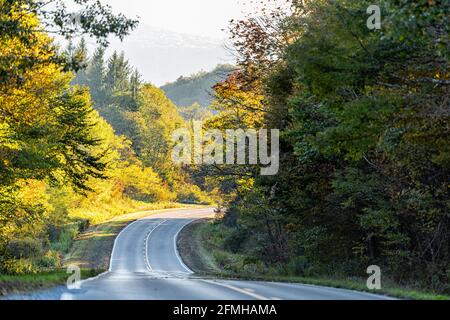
94 19
81 55
118 71
95 74
157 118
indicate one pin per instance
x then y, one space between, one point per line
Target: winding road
145 265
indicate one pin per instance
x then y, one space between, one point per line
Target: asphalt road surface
145 265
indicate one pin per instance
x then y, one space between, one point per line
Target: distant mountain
196 88
162 56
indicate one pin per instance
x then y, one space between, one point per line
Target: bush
221 258
51 260
298 266
24 248
18 267
192 194
65 239
143 184
235 240
83 225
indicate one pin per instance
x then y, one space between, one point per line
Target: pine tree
81 57
117 74
135 86
96 76
69 52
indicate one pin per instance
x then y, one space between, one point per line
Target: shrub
51 260
221 258
235 241
65 239
24 248
144 184
298 266
18 267
192 194
83 225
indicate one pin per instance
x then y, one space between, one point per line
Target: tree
93 19
197 88
46 126
118 71
81 55
157 118
47 134
135 87
95 74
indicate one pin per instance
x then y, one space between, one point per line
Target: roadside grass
99 212
92 249
13 284
205 255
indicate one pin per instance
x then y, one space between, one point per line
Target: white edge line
115 242
253 295
114 247
110 259
95 278
228 286
146 245
175 239
332 290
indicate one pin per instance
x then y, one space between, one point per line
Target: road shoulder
192 252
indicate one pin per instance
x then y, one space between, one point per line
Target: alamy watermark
374 280
374 20
235 147
74 280
74 19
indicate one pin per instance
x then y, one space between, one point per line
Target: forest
82 138
364 160
364 116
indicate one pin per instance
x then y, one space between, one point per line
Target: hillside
196 88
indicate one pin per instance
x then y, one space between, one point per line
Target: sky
177 37
197 17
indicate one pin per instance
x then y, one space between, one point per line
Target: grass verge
201 247
43 280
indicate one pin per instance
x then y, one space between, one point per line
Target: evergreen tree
81 55
96 76
118 72
135 83
69 52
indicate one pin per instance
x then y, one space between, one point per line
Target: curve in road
145 265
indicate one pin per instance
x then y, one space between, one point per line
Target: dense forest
364 164
82 139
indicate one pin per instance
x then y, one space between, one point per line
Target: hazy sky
198 17
177 37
